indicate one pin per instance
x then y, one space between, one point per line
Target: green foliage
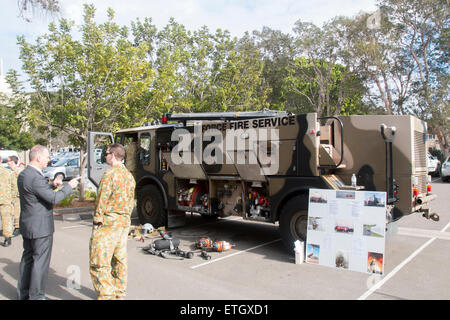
88 194
115 77
305 90
13 112
82 85
199 71
67 201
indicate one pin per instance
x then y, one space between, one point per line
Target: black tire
150 206
294 221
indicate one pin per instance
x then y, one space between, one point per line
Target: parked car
433 165
445 170
68 168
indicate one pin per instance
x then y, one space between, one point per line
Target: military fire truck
260 165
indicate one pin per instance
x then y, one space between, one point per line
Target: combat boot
7 242
16 232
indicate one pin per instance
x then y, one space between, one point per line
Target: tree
376 54
277 52
344 91
316 76
50 6
199 71
85 85
238 78
425 39
13 114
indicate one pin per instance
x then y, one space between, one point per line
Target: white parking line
425 233
399 267
234 254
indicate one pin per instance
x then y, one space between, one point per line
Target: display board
346 229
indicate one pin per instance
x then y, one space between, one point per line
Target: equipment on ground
166 246
204 243
205 255
218 246
164 235
221 246
146 228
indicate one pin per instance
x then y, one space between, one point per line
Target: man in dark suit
37 199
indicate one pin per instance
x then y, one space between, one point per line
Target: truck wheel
150 205
294 221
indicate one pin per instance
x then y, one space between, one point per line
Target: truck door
96 160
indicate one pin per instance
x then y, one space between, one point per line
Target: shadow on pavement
56 285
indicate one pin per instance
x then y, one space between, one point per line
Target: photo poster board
346 229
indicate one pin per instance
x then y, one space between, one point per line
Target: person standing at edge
37 199
6 194
12 163
108 263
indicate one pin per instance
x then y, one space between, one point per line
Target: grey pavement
257 267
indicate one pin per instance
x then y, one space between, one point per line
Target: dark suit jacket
37 199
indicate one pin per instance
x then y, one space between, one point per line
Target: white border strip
234 254
399 267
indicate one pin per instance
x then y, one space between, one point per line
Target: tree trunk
83 161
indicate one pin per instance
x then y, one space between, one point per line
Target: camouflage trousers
16 212
108 263
7 225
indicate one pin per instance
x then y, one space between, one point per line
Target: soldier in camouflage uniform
108 245
12 163
6 186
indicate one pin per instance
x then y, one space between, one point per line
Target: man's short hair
35 151
14 159
118 150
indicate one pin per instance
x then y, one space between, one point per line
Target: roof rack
224 116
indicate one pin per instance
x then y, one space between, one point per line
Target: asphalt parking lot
256 268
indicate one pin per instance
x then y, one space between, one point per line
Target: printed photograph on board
373 230
312 253
318 197
374 199
350 195
375 263
342 259
316 224
344 227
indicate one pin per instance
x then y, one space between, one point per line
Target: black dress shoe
7 242
16 232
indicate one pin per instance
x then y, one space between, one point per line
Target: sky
236 16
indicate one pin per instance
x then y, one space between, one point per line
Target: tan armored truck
260 165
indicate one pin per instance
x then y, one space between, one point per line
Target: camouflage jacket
6 185
115 197
15 190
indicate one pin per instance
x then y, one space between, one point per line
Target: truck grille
422 183
420 159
